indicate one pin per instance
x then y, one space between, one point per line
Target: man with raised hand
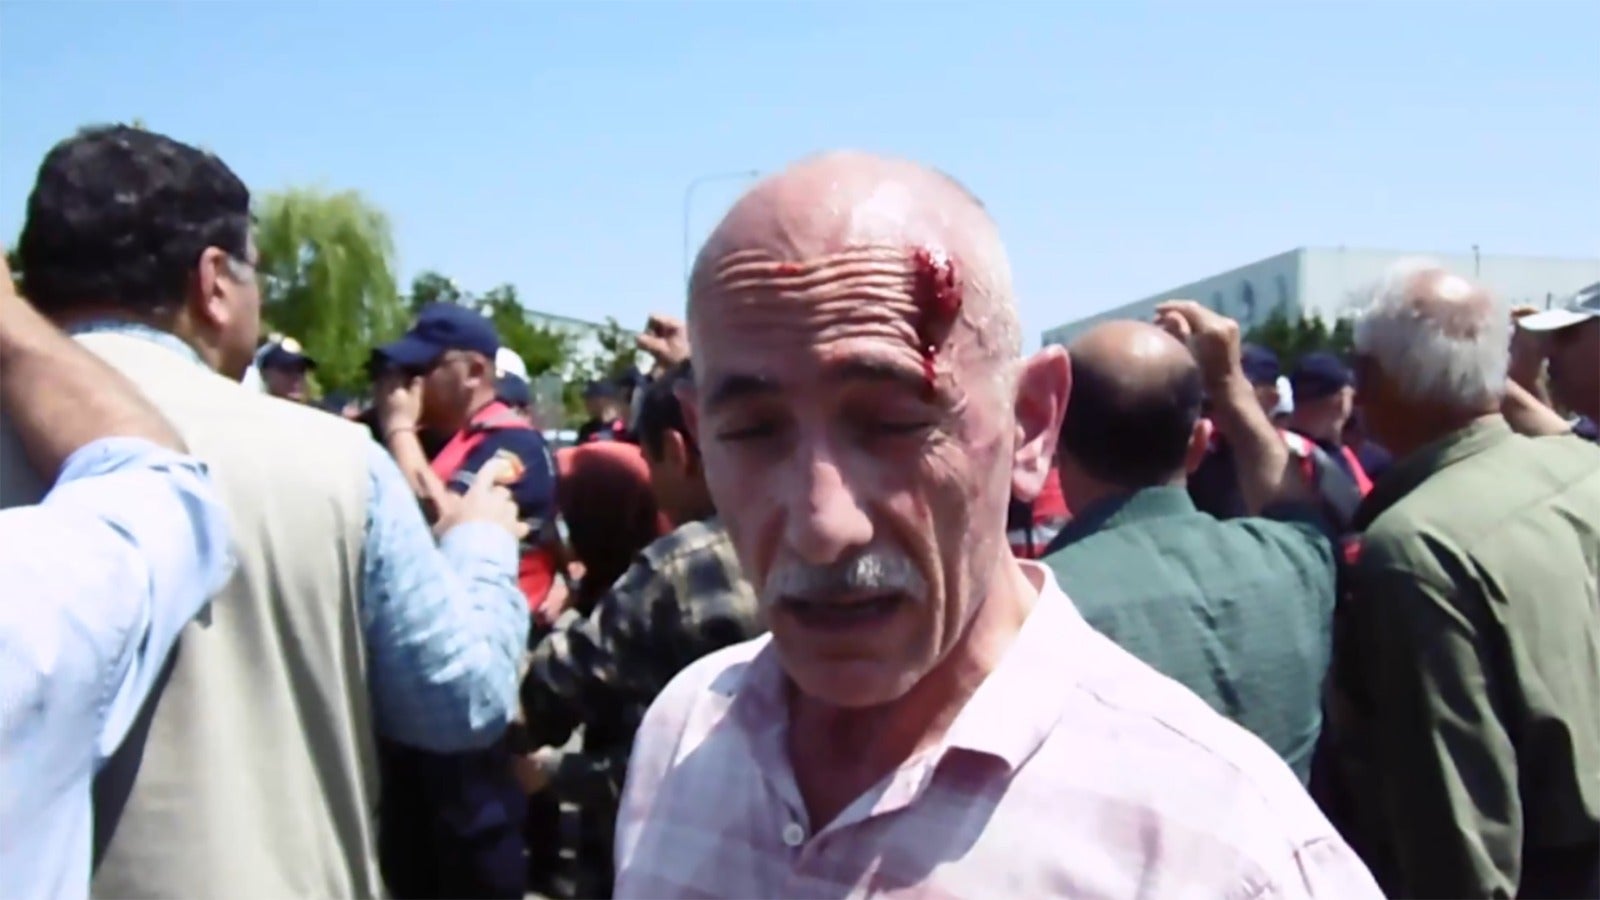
101 576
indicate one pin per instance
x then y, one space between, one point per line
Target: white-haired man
1469 650
930 717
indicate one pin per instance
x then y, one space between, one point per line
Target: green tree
1294 338
613 357
542 349
14 263
432 287
327 262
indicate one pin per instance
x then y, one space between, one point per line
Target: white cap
1585 305
1285 397
507 362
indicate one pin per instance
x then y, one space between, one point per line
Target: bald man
1468 653
1238 611
929 716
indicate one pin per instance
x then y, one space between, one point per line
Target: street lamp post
688 198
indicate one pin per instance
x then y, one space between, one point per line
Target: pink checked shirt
1074 771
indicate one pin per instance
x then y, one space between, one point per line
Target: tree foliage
615 355
327 262
1294 338
542 349
432 287
14 263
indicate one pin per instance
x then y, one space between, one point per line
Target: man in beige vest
101 577
251 772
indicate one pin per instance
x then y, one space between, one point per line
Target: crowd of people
846 597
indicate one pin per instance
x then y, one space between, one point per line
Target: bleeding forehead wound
936 290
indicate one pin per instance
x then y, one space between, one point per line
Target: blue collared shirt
445 622
101 577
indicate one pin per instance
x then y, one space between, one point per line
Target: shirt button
793 834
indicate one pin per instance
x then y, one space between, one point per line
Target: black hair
660 411
1129 436
120 216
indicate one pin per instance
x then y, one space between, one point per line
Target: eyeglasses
242 269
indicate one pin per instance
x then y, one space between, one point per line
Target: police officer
451 826
603 399
284 365
1324 391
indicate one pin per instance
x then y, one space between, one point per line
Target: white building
1329 282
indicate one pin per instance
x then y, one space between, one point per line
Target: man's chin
850 683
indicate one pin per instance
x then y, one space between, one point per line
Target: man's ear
210 301
675 450
687 400
1199 444
1043 384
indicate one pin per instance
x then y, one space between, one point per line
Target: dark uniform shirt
1467 664
1240 612
452 824
684 597
1214 486
596 430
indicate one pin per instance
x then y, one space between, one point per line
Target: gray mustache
873 571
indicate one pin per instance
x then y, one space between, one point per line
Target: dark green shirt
1238 611
1468 665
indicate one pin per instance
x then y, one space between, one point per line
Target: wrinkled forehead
894 306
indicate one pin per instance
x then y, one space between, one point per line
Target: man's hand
485 501
1212 337
666 339
533 770
1262 463
398 399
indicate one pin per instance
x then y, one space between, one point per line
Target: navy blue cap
1260 364
601 389
284 354
441 327
1318 375
513 391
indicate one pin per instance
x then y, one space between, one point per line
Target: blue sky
1124 148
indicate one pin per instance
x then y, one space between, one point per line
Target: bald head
1439 338
1136 396
869 219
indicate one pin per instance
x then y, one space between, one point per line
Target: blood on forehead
936 291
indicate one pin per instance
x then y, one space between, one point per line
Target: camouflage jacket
682 598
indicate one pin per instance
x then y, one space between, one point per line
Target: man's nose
826 521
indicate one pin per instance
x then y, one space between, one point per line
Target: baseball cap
1318 375
440 327
1583 306
1260 365
285 353
1285 397
513 391
508 362
597 390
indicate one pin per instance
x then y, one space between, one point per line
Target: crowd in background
842 597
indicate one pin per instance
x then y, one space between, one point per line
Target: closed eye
748 432
894 428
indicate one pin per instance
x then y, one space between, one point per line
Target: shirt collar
1405 475
1007 717
141 331
1113 512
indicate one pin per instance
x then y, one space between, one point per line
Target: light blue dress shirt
100 578
445 622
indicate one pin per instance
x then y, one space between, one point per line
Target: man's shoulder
713 679
687 541
1126 721
524 448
